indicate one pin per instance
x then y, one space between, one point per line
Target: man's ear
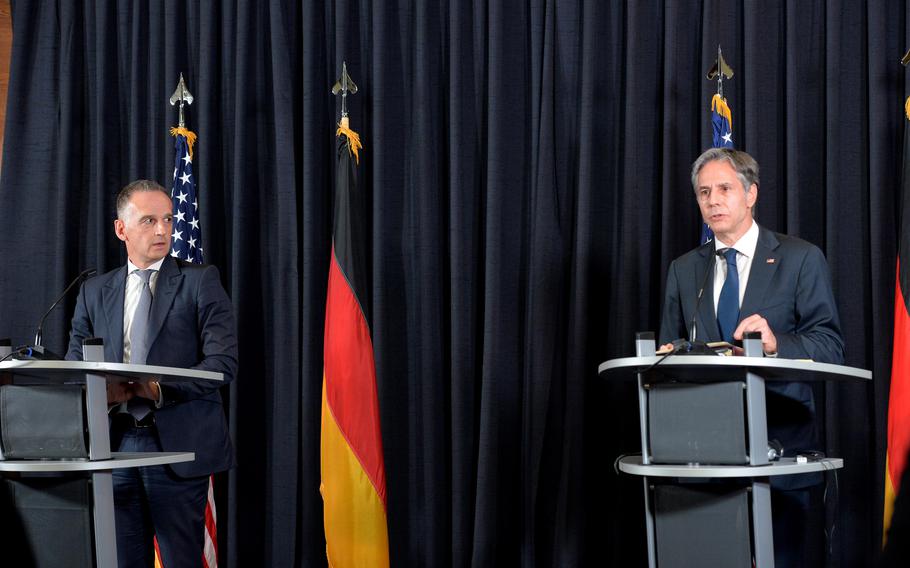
120 229
752 195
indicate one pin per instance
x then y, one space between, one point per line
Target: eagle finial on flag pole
718 71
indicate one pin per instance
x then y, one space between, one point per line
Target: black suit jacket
790 287
191 326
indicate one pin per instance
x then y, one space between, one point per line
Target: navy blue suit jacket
191 326
790 287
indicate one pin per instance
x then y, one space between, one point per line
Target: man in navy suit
161 311
780 288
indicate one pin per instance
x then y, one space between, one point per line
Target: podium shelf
68 371
785 466
118 460
714 368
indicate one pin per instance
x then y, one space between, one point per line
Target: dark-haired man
158 310
766 282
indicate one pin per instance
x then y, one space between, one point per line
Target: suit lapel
165 290
113 295
706 328
764 265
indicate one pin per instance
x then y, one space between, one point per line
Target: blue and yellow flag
722 126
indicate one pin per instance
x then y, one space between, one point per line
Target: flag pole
352 464
187 245
345 86
721 118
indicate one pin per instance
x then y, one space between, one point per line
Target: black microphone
701 292
693 346
82 276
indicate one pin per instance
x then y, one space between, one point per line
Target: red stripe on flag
350 377
210 551
899 398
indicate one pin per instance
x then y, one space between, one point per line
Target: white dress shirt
130 301
745 252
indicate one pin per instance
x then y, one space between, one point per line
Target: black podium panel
43 422
51 516
698 423
704 524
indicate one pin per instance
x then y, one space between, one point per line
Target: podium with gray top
706 463
59 462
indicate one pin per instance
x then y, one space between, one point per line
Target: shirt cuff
160 402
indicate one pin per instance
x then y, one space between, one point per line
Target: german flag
353 471
899 399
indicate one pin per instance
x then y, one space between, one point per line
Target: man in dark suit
766 282
161 311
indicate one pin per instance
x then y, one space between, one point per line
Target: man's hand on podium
665 348
757 323
149 390
118 392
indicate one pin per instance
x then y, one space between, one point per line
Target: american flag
186 242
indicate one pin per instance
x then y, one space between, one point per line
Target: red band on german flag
898 402
353 472
350 374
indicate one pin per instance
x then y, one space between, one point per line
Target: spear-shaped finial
181 95
344 85
904 61
718 71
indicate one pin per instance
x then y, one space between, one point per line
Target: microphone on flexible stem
38 348
693 346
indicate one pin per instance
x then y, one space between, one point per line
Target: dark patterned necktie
728 304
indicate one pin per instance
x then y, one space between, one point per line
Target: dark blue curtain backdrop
526 166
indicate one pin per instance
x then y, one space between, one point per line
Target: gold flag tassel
722 109
189 134
354 144
907 108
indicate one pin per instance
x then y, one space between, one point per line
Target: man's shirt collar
745 245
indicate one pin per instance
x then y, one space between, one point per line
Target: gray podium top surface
713 367
118 460
785 466
67 371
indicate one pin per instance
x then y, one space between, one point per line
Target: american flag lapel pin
770 261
